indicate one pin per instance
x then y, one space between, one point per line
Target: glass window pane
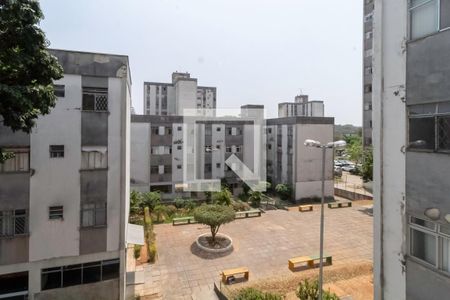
423 223
444 107
51 280
71 275
87 217
422 129
91 274
88 102
446 254
424 19
423 246
13 282
110 269
445 14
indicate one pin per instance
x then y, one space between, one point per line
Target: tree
367 165
214 215
223 197
160 211
27 70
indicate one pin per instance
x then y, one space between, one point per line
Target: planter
225 243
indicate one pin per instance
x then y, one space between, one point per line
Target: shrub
190 204
283 190
179 202
136 203
137 251
223 197
160 211
152 252
149 236
240 205
308 290
254 294
151 199
214 216
171 210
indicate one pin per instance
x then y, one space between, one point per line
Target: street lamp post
330 145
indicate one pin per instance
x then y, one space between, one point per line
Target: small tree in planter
214 216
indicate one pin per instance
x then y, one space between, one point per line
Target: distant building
411 135
170 99
301 107
292 163
64 196
367 72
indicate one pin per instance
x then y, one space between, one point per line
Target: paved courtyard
263 244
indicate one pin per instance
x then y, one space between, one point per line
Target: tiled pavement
262 244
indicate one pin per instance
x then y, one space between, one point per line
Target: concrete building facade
290 162
169 99
64 195
301 107
367 71
412 143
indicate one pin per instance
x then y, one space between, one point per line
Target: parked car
337 171
348 168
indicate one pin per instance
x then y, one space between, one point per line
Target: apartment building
412 143
64 196
367 72
162 152
168 99
290 162
301 107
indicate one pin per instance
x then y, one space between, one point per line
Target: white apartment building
301 107
64 196
411 138
169 99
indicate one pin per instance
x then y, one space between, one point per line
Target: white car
348 168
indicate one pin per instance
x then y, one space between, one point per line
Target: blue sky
253 51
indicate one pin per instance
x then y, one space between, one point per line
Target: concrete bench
339 204
303 208
309 260
183 221
248 214
232 272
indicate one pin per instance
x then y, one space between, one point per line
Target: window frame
439 236
8 221
436 115
438 21
56 153
97 92
97 207
17 160
56 212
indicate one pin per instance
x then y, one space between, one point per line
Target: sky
253 51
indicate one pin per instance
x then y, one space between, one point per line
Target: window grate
13 222
444 133
56 212
56 151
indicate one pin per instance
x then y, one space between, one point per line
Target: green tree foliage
256 197
27 70
283 190
354 148
223 197
160 211
254 294
136 203
214 215
367 165
151 199
308 290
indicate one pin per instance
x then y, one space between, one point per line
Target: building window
228 149
269 146
179 128
208 168
93 214
56 212
155 130
13 222
218 165
154 170
218 147
14 284
64 276
430 123
218 129
179 167
368 53
179 147
19 161
424 17
238 149
430 243
56 151
59 90
167 169
94 158
95 99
